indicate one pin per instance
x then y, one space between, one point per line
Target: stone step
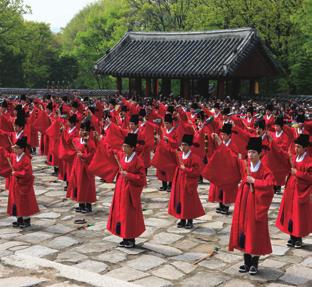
64 271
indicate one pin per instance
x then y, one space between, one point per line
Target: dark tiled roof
185 54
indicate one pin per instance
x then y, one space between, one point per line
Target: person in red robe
225 194
249 121
126 217
269 117
302 126
6 122
184 201
250 230
81 186
165 159
281 139
66 149
22 201
295 212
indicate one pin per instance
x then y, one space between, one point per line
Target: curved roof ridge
156 33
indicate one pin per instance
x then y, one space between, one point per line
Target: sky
57 13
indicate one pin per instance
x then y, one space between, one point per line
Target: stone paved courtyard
56 252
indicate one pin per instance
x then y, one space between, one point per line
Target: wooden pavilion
194 58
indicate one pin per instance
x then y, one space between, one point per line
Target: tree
11 29
104 28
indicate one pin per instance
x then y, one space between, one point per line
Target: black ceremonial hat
302 140
131 139
255 143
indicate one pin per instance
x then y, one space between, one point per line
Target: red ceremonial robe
114 136
32 132
269 122
81 187
222 172
21 189
5 169
165 159
54 134
146 133
103 163
126 216
282 140
67 151
41 124
295 213
277 160
250 230
6 122
249 123
184 201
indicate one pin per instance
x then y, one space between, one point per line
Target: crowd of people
248 151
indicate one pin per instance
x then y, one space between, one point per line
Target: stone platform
55 252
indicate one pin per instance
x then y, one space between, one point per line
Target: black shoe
218 210
189 224
225 210
253 270
26 223
181 223
243 269
121 243
80 208
254 265
298 244
130 243
290 243
18 223
247 262
164 186
277 189
55 172
87 208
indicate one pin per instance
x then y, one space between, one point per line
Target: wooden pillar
254 88
220 88
155 87
119 84
147 87
236 85
203 87
166 87
257 87
185 88
131 86
138 86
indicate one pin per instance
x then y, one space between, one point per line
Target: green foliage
29 51
101 27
